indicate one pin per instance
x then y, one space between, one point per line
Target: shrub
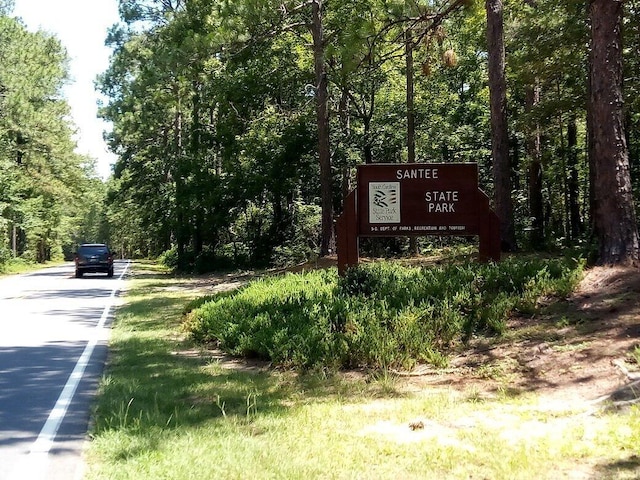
5 256
378 315
169 258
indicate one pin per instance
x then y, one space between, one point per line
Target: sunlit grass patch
19 265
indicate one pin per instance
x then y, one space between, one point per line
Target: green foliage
219 149
378 315
213 107
169 258
5 256
50 197
636 355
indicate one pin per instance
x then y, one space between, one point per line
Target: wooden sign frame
416 199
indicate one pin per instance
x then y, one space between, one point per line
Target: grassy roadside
168 411
16 266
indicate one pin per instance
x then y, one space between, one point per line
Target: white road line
35 461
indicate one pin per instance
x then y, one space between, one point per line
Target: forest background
238 125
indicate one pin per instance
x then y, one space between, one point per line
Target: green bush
169 258
378 315
5 257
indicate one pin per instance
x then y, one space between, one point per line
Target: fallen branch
623 368
423 372
623 404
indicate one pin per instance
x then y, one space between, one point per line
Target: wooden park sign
416 199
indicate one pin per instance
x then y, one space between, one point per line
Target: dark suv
94 257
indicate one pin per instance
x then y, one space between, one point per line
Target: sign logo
384 202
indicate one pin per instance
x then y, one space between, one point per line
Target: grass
18 265
636 355
169 411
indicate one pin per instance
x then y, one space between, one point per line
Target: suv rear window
92 250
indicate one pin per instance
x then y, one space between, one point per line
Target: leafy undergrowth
380 315
19 265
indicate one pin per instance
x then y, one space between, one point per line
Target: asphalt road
53 343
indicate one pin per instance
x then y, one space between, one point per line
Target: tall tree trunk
322 118
368 147
573 183
613 216
20 143
536 208
345 127
195 160
565 217
411 123
499 131
180 192
14 240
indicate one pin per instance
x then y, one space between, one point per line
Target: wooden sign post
416 199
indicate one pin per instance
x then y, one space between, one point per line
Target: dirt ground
578 349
